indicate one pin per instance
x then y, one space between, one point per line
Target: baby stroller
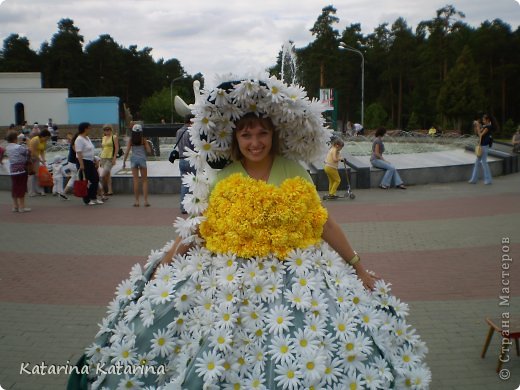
348 193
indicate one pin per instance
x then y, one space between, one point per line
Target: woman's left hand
368 279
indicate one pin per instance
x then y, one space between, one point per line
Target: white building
23 98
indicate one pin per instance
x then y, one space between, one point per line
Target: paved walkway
439 245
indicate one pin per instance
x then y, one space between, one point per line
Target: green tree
63 60
402 57
461 95
17 56
105 64
375 116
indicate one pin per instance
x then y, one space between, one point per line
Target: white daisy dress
216 319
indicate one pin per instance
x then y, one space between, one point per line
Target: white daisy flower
255 381
382 368
352 381
312 366
401 308
229 295
299 297
358 297
276 90
316 325
210 282
332 372
178 325
161 292
282 349
370 376
202 124
94 352
229 276
123 353
225 316
288 376
129 383
298 261
405 358
420 378
382 288
259 290
305 342
194 205
147 314
318 304
136 273
220 339
253 316
369 319
306 281
257 354
146 359
125 291
162 343
205 302
232 112
164 272
274 288
184 299
113 309
131 311
279 319
104 327
122 332
274 268
344 325
209 366
245 89
251 270
401 329
219 97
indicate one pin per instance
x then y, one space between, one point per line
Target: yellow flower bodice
250 218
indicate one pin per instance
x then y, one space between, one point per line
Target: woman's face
255 142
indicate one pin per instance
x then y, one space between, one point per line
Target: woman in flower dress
261 290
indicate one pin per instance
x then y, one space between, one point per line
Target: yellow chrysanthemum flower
252 218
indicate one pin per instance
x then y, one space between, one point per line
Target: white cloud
211 36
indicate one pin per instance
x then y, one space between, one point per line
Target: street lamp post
171 95
344 46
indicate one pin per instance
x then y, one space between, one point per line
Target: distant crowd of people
26 150
28 165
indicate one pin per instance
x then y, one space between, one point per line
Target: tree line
442 73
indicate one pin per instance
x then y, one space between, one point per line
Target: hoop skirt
224 321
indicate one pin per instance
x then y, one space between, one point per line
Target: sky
221 36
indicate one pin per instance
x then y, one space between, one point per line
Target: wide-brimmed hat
299 126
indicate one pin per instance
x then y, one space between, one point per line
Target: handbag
80 186
119 151
478 148
174 154
44 177
29 167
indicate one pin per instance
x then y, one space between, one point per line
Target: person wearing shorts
139 147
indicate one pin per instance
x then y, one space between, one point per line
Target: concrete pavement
440 245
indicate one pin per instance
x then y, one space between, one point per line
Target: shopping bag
80 186
44 177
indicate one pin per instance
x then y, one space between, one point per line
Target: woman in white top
85 154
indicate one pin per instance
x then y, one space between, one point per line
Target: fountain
288 71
